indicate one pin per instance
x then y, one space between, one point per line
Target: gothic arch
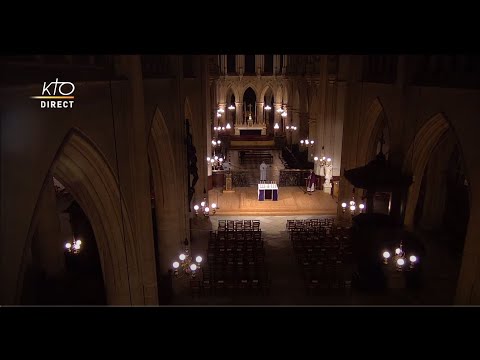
370 128
160 152
233 89
84 171
253 87
264 91
427 138
168 204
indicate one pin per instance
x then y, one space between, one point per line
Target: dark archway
86 174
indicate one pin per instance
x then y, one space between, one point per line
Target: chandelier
307 142
219 129
205 208
352 205
74 246
215 161
400 258
290 128
186 266
323 161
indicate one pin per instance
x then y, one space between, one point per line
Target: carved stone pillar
239 113
277 118
259 119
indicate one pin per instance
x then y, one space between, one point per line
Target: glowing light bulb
68 245
413 258
344 205
193 267
176 264
386 254
198 259
400 262
208 158
196 207
214 206
361 206
228 126
398 251
202 203
315 158
182 257
207 209
276 126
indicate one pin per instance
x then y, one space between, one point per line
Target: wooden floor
291 200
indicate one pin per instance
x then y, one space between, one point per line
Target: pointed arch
427 138
264 91
374 121
232 89
169 219
251 86
84 171
160 152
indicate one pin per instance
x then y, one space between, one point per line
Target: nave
287 283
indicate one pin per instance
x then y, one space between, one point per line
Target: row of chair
238 225
244 235
296 225
233 287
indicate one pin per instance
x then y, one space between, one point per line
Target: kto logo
56 95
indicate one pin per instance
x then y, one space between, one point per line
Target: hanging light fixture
186 265
268 107
204 208
352 205
231 107
73 247
400 258
276 126
307 142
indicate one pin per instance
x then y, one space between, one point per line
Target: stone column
222 121
260 119
48 248
239 113
277 119
134 173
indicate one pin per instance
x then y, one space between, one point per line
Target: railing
293 177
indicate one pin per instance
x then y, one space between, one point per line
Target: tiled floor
287 286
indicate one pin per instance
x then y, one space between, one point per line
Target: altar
250 124
267 192
254 129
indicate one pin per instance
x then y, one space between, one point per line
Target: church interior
239 179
